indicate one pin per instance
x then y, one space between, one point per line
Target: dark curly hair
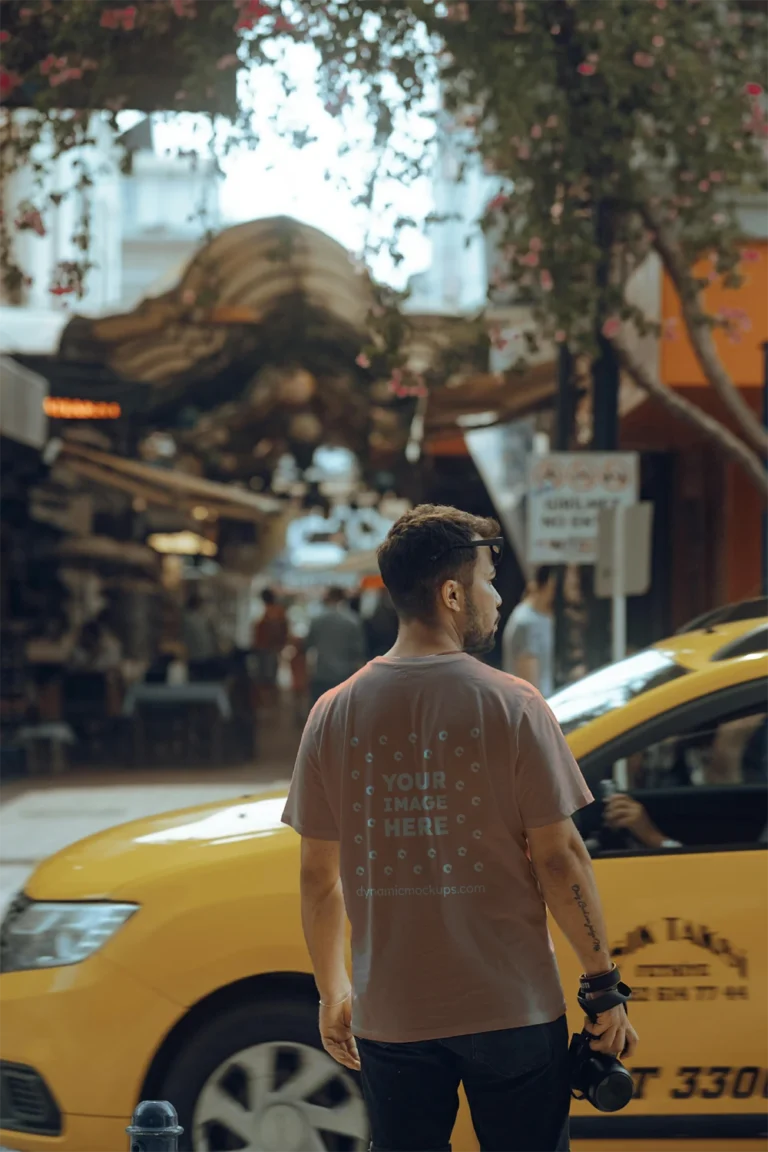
407 563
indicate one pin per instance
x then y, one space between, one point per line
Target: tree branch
733 447
700 334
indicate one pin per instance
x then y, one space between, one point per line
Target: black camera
597 1077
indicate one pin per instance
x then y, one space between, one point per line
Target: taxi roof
694 650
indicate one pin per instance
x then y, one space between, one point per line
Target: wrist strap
602 983
335 1003
610 999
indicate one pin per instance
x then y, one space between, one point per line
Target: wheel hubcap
280 1097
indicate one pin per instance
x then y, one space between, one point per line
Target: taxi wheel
255 1078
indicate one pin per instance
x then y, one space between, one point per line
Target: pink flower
535 244
750 255
661 4
228 61
8 81
704 121
531 260
719 218
362 361
552 121
546 281
643 60
184 9
611 327
703 185
458 13
753 89
586 69
124 18
250 13
658 41
523 152
716 177
4 36
536 132
498 202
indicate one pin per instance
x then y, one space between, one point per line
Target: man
270 637
200 640
336 643
528 643
426 788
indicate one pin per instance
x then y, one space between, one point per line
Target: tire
256 1078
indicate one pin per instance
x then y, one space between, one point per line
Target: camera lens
614 1091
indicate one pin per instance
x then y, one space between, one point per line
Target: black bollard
155 1127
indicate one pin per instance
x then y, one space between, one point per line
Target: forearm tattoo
589 926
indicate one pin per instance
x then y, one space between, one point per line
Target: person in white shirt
528 643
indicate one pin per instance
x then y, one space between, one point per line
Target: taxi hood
125 859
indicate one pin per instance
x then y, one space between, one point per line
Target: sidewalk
41 815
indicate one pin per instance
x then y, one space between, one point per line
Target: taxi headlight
37 934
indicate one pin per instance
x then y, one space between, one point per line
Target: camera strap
611 998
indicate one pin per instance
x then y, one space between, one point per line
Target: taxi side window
705 785
731 752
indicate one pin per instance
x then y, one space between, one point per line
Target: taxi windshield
612 687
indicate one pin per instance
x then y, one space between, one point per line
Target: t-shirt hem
563 813
495 1025
311 833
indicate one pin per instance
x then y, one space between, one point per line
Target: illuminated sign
182 544
64 408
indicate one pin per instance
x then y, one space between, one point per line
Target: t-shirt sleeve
550 786
307 810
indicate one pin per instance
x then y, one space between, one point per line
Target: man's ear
451 595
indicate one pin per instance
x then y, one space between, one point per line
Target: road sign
628 574
566 491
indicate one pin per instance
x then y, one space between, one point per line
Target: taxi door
688 930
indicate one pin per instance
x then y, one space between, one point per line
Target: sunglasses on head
495 543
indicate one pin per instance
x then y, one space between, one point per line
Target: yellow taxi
164 959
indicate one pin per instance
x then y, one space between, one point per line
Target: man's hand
613 1033
336 1034
624 812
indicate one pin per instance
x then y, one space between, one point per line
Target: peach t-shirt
428 770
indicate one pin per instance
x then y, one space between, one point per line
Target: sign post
623 565
619 599
583 509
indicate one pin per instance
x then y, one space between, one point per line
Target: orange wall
744 360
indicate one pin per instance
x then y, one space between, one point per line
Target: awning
165 487
240 278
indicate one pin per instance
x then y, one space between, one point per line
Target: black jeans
516 1081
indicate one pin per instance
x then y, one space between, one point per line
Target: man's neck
539 604
418 639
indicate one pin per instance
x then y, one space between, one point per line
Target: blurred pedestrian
270 637
528 644
434 795
336 642
200 640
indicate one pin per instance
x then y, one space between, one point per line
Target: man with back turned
434 797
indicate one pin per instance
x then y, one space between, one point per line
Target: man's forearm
569 889
324 920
